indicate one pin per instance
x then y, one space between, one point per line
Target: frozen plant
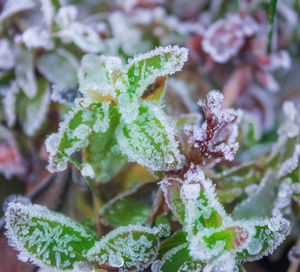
120 153
120 115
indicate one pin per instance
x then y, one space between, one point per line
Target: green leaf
47 238
177 239
261 201
171 190
247 240
194 205
59 67
144 69
267 235
33 111
150 139
239 177
103 152
177 259
74 132
124 211
131 248
24 71
288 133
101 77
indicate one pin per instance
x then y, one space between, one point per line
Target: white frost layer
138 253
18 217
37 36
224 38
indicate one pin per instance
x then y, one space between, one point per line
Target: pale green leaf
131 248
150 139
47 238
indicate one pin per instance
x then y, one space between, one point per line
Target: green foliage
111 122
47 238
210 232
51 239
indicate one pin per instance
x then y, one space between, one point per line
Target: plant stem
88 180
97 201
272 12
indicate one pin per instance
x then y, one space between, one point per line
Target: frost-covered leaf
103 152
288 133
177 259
171 188
268 234
224 38
150 139
84 36
32 112
74 132
210 231
126 35
146 68
130 248
37 37
47 238
261 199
177 239
100 77
24 70
194 204
11 7
59 67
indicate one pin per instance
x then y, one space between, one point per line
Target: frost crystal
87 171
215 139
